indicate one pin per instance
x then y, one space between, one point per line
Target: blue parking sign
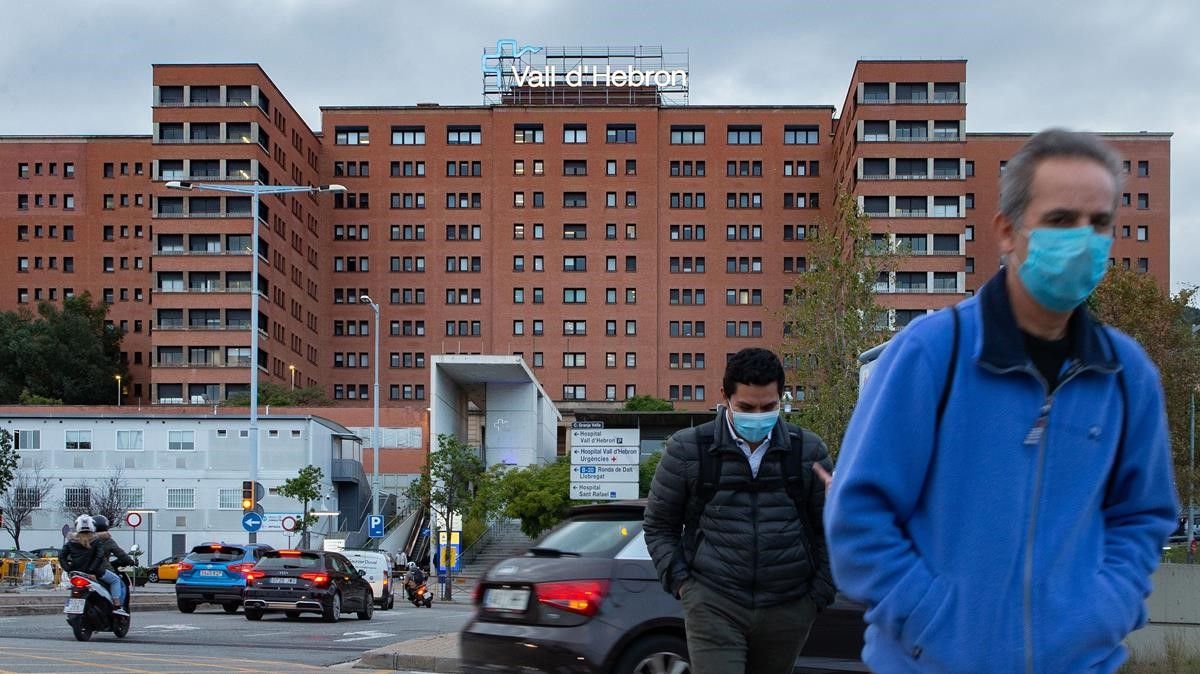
375 526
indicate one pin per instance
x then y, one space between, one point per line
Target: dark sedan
586 600
303 581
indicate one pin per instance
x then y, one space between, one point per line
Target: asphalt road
211 641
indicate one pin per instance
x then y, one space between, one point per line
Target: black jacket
75 556
107 548
752 546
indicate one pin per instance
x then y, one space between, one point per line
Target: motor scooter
89 608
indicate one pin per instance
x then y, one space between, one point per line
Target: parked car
379 574
307 581
165 569
45 553
19 555
215 573
586 599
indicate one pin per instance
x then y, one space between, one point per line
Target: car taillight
184 566
477 594
318 579
240 568
252 576
77 581
577 596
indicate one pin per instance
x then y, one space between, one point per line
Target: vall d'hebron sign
594 76
604 462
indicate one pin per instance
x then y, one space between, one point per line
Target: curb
53 608
401 656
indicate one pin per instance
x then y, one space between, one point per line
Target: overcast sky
84 67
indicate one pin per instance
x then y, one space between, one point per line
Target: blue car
215 573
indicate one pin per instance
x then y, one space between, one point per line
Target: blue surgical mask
1064 265
754 426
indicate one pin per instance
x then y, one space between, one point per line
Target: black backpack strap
709 477
1119 458
797 481
950 372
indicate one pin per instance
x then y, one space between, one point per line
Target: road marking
171 628
224 662
367 635
83 663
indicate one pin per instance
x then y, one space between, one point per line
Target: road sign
289 523
629 455
604 474
605 437
252 522
134 520
599 491
449 551
375 526
274 521
66 530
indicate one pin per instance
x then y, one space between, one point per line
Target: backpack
952 369
796 482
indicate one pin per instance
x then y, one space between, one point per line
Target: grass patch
1178 658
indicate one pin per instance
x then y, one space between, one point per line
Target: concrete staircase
505 543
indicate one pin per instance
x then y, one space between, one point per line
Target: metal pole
1191 520
118 390
377 501
254 343
150 538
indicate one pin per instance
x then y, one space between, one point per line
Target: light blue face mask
1064 265
754 426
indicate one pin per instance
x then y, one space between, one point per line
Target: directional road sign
599 491
252 522
375 526
628 455
605 437
604 474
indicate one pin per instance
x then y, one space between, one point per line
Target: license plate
506 600
74 606
212 572
284 581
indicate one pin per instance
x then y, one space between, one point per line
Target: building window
78 440
687 135
1143 201
574 392
800 135
78 499
229 499
575 133
181 440
181 499
352 135
1143 169
1143 233
528 133
27 440
408 135
744 135
621 133
464 135
129 441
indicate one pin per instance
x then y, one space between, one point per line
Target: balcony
198 253
938 99
237 140
204 215
909 213
180 103
181 327
206 289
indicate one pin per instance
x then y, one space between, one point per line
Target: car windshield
592 537
216 553
303 560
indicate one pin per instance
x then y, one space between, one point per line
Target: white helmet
85 523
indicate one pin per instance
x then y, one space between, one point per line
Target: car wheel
185 606
254 614
231 607
368 607
333 612
659 654
152 577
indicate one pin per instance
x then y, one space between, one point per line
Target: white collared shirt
755 456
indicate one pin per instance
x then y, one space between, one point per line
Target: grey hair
1016 182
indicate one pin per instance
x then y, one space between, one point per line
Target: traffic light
252 493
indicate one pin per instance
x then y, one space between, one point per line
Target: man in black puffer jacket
747 553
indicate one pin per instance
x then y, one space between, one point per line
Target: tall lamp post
293 369
118 390
255 190
376 506
1191 520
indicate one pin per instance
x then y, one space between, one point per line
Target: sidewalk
430 654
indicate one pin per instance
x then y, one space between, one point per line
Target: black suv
304 581
586 599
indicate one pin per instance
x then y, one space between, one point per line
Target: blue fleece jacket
999 544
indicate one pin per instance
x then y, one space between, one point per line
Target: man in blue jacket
1005 483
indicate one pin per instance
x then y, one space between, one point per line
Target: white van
378 569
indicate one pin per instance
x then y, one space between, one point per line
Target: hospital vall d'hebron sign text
596 76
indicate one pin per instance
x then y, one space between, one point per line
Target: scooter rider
82 553
107 548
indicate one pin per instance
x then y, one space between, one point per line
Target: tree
1161 323
447 483
539 495
305 487
270 393
111 497
645 403
26 493
9 459
646 473
69 353
833 316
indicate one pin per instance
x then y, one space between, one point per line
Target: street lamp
293 369
1192 474
118 390
376 506
255 190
